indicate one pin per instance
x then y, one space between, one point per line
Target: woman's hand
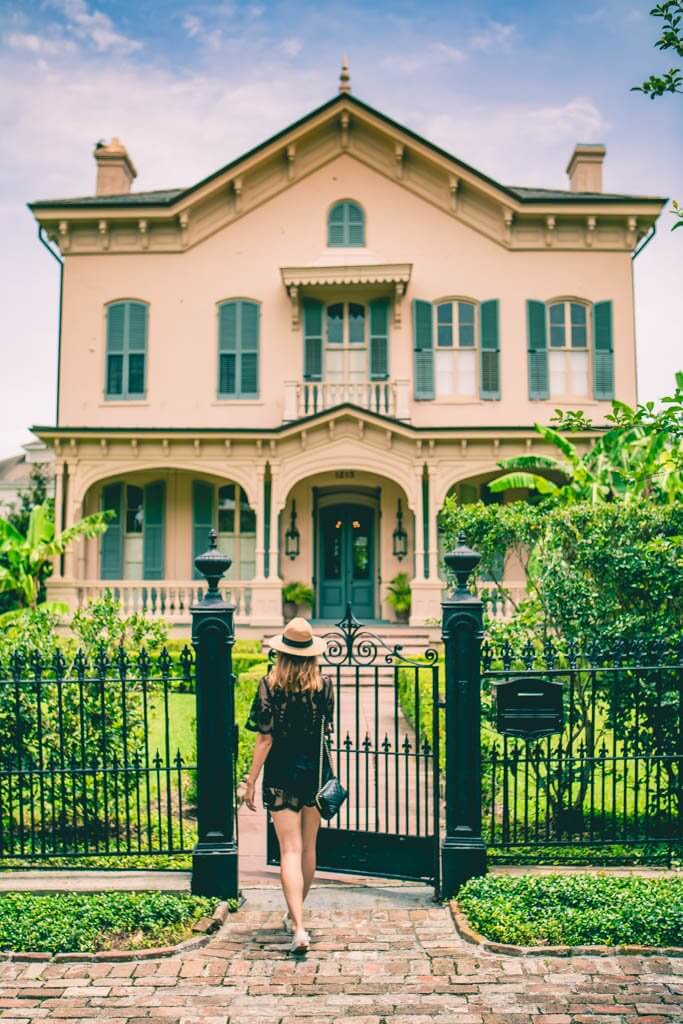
250 793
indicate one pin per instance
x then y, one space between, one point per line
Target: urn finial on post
462 561
213 565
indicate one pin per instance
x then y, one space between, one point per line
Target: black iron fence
95 755
612 772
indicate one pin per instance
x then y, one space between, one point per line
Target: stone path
380 956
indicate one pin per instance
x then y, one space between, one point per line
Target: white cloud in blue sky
508 87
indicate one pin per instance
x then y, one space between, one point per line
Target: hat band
297 643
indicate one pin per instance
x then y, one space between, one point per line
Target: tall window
238 349
237 530
346 224
346 349
126 350
456 350
568 350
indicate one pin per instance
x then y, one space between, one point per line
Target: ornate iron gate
385 751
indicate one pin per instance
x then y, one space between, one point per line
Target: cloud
591 17
29 42
95 27
449 53
496 36
192 25
291 46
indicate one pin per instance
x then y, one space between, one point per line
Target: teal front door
346 561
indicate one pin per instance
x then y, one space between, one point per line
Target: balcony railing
167 599
386 397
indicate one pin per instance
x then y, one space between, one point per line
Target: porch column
273 533
59 501
64 588
433 535
266 589
426 586
70 514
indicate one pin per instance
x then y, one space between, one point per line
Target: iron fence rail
95 758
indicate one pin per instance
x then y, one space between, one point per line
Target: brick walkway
394 959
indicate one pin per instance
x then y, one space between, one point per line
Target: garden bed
571 912
74 923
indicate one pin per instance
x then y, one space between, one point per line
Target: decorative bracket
508 217
184 220
399 292
550 224
453 186
344 122
237 186
590 230
64 239
144 236
103 229
631 234
291 161
399 153
294 299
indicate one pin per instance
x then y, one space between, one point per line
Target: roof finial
345 77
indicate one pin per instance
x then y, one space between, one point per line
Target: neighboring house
15 474
309 349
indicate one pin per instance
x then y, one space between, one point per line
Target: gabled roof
165 198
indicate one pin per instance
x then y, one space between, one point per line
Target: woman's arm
264 742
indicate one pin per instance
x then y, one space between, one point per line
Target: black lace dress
290 772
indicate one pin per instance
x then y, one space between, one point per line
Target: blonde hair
295 674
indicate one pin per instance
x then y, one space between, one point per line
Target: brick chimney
585 167
115 169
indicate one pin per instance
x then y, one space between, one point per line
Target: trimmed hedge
72 922
575 910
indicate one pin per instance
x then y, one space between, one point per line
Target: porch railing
167 599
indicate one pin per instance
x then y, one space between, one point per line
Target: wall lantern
400 537
292 536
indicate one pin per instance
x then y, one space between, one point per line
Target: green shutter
249 345
126 350
313 339
538 349
111 543
202 520
379 339
489 384
423 349
153 531
603 352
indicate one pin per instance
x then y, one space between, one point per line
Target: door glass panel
332 547
226 509
134 500
360 550
247 515
335 324
356 324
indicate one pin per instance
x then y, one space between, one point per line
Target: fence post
463 851
214 858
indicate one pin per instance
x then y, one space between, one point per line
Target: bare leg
289 835
310 824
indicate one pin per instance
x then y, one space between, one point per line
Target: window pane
134 500
114 375
226 509
335 324
467 365
444 373
578 368
356 324
360 552
227 373
466 335
466 325
247 515
444 313
136 374
332 540
578 320
466 313
247 559
557 325
558 377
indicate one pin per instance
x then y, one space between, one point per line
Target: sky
508 87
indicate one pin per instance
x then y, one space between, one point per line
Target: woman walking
294 702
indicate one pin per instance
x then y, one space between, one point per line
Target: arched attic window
346 224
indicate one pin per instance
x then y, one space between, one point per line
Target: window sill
109 403
572 401
238 401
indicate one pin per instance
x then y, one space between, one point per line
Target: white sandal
301 942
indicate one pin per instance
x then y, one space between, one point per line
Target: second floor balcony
387 397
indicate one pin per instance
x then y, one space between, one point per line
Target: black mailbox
528 706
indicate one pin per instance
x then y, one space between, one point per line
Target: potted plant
294 597
399 596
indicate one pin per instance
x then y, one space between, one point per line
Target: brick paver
374 965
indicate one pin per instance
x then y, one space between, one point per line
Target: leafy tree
640 458
26 555
34 494
671 38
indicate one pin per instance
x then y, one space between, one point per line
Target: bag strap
320 762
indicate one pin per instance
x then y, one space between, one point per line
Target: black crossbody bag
332 794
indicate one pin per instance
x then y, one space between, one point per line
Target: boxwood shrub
72 922
580 909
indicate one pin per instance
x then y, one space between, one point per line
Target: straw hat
297 639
